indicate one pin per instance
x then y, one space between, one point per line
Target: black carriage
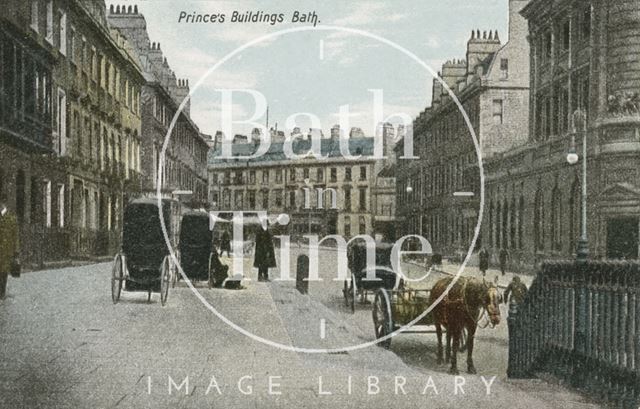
144 262
380 276
197 254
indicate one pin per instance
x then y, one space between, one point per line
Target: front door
622 238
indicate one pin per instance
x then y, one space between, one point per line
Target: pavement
64 344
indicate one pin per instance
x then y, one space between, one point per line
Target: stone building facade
277 184
438 194
583 57
185 164
70 147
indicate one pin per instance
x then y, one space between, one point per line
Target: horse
459 309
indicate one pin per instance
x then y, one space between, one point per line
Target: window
63 32
62 123
566 35
278 194
305 173
497 111
252 176
237 200
49 34
279 176
34 16
265 177
252 199
347 200
334 174
504 68
347 226
292 199
61 205
265 200
363 172
72 44
362 225
320 175
547 46
586 23
363 198
47 202
347 174
292 174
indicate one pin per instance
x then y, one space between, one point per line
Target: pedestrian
225 243
517 290
483 255
504 256
9 247
264 256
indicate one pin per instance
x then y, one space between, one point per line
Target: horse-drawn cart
394 309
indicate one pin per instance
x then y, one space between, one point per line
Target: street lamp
409 190
580 125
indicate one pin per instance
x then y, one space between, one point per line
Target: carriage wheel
210 282
382 317
165 279
117 276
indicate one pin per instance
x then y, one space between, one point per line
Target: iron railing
580 321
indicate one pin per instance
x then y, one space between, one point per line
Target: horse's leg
447 351
439 335
470 337
455 333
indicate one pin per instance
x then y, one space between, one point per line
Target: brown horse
459 309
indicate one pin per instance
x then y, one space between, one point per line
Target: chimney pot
129 9
111 9
478 34
118 9
473 34
496 36
135 9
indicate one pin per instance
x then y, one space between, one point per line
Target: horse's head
492 303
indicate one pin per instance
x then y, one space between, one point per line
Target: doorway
622 238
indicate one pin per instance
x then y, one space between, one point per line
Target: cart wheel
210 282
353 295
382 317
174 272
117 276
165 279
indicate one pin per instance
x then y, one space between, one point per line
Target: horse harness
461 302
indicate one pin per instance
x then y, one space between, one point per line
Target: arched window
491 226
513 223
498 225
574 214
556 219
505 225
521 223
538 221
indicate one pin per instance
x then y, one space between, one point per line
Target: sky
315 72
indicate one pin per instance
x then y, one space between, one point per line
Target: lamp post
580 125
409 191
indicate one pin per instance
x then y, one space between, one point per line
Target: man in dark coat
517 290
504 256
484 260
9 246
264 257
225 243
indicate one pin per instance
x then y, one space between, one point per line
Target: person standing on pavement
225 243
484 260
517 290
9 247
503 256
264 256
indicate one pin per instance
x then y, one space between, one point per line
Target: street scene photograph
295 204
